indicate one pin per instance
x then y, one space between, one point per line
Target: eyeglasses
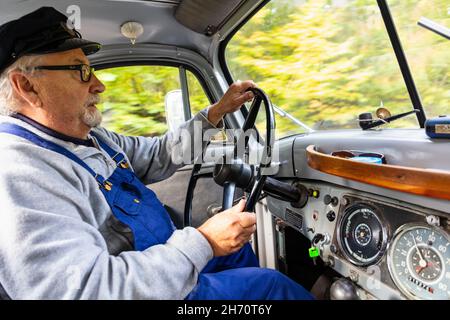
85 70
354 153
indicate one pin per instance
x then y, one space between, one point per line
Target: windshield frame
402 61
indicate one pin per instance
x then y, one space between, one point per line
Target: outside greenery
323 61
133 103
327 61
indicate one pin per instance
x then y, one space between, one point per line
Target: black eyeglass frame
80 67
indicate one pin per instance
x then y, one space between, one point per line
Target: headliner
101 21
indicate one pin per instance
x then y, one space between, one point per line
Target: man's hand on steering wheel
229 230
234 173
231 101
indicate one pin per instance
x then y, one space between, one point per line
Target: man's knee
268 277
280 286
273 276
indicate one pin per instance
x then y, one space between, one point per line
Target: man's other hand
229 230
231 101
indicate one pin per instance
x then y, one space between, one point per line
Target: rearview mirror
173 103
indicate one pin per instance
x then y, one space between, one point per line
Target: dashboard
389 244
389 249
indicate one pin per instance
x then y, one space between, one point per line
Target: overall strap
118 157
34 138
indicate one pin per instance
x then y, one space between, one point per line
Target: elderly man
78 221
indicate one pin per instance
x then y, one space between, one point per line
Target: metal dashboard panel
409 147
405 147
313 219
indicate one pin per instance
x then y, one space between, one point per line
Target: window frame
223 64
224 43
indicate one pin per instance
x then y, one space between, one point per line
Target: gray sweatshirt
58 237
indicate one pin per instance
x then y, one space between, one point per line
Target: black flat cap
42 31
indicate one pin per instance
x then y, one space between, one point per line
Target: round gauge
419 262
362 236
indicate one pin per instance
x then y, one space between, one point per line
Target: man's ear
24 88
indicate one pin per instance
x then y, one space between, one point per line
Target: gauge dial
362 236
426 264
419 262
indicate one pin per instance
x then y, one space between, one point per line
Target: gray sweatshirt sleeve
50 246
157 158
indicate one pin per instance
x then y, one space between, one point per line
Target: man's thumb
240 206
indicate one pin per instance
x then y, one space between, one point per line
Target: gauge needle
422 262
419 269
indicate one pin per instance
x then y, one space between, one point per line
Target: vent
294 219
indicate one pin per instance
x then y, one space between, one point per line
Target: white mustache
92 100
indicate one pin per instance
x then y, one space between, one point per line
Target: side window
198 101
197 95
134 100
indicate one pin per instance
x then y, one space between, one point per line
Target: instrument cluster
417 254
386 248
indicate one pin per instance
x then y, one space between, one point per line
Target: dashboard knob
334 201
343 289
327 199
331 215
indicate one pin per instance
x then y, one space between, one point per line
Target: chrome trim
384 229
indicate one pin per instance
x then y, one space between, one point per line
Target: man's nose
96 86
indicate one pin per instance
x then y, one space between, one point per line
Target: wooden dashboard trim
425 182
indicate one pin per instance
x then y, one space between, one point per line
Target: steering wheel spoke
255 193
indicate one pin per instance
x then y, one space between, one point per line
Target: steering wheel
236 173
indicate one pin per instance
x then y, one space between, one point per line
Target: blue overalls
236 276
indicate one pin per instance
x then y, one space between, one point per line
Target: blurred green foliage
326 61
323 61
133 102
197 96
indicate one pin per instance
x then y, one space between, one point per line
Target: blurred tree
197 96
133 102
327 61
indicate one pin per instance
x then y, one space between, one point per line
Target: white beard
92 117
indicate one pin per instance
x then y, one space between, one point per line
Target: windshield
325 61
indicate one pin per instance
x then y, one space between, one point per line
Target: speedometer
419 262
362 234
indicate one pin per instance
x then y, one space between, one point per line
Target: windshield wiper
435 27
285 114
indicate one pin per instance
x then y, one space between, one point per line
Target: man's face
67 100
